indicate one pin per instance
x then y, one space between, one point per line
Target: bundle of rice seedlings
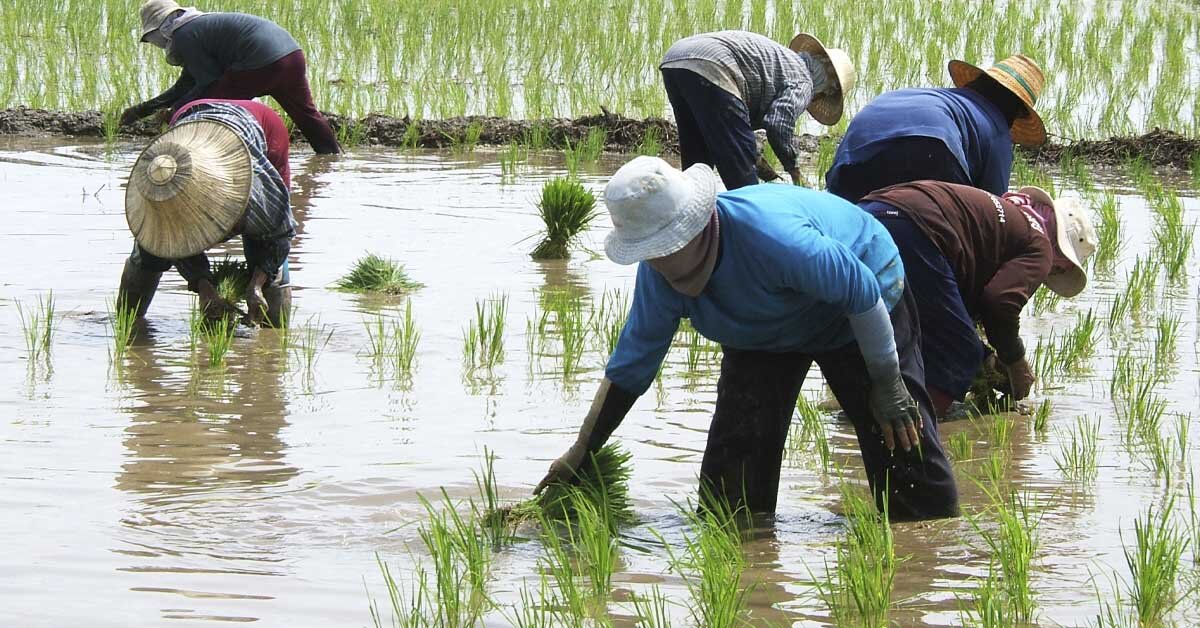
373 273
231 278
603 481
567 208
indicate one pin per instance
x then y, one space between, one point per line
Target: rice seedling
465 144
807 436
1153 563
604 479
1193 521
412 136
1196 170
960 447
405 338
372 273
858 589
37 326
1000 430
1077 456
988 608
377 340
1166 339
310 339
1108 232
461 559
231 278
651 143
573 332
608 319
557 561
408 609
218 337
195 326
567 209
994 468
123 324
1041 417
589 149
592 535
1045 300
1014 545
483 340
651 609
711 564
510 159
536 137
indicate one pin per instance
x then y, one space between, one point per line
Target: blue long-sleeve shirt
972 127
794 263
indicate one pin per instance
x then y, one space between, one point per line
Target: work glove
563 469
1020 378
608 409
131 115
897 414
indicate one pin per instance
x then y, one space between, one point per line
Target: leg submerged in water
139 281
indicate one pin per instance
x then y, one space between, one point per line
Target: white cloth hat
1076 239
655 209
154 12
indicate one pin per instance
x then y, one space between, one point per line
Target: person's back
215 42
970 127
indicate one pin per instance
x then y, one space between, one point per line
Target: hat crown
1077 226
644 196
162 169
154 12
1022 76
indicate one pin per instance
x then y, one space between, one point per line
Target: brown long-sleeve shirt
999 253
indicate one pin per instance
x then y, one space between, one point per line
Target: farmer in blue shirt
962 135
782 277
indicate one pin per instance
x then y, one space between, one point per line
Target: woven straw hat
154 12
1075 237
188 189
827 109
655 209
1021 76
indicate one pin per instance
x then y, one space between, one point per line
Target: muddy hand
1020 378
130 115
896 413
212 305
563 469
256 305
765 171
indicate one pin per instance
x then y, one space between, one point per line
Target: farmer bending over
221 170
231 56
781 277
970 255
724 85
961 135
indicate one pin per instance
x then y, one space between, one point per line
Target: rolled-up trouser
756 398
286 81
897 160
196 267
714 127
950 344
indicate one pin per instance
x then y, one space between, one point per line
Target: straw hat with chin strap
827 108
189 189
1021 76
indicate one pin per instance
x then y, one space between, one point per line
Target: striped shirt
268 220
773 81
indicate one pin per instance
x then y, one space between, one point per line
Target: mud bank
1158 147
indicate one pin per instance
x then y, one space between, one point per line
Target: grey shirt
773 81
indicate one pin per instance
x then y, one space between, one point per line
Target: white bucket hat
1075 237
655 209
154 13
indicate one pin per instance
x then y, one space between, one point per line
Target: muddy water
169 492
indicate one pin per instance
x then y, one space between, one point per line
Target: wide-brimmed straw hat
1075 239
827 108
655 209
188 189
154 13
1021 76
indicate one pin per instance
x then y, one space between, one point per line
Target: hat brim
690 219
1072 282
1027 130
828 108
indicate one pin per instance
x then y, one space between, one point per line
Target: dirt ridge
1159 147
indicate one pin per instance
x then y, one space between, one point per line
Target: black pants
756 397
197 267
902 160
714 127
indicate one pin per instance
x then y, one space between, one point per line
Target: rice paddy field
372 464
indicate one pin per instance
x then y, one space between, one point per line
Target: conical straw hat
827 109
188 189
1021 76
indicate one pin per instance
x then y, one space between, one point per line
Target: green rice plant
1183 429
1173 238
651 609
573 332
651 143
711 564
608 319
534 610
510 159
231 278
595 542
826 150
195 326
1014 545
1141 173
989 608
557 561
408 608
1000 430
483 340
351 133
485 482
567 209
994 468
536 137
1041 417
1141 284
123 323
461 559
110 125
372 273
1153 563
377 340
1077 456
37 326
412 136
1193 521
858 589
1166 339
1077 169
218 337
1108 232
310 339
1196 170
604 478
960 447
807 436
465 144
1045 300
1055 357
405 338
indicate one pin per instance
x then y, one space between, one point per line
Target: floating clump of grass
37 326
375 274
604 479
231 278
567 209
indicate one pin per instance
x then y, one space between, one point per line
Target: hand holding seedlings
256 305
563 469
213 305
1020 378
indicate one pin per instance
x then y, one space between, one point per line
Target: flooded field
158 490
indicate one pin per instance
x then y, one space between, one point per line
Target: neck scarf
172 24
1042 214
689 269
